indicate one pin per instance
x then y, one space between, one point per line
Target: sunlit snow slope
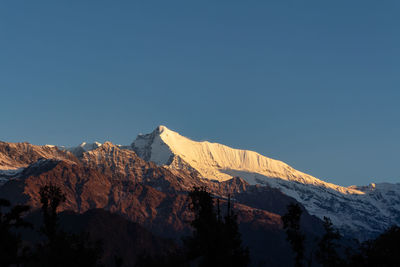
352 208
219 162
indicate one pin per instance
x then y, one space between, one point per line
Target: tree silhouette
62 249
326 253
50 198
291 224
11 249
236 255
215 242
202 246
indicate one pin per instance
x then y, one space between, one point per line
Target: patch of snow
10 172
51 146
7 173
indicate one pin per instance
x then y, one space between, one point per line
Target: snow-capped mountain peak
220 162
354 209
83 147
90 146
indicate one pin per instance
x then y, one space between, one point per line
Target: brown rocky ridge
119 181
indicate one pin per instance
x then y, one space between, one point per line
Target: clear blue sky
313 83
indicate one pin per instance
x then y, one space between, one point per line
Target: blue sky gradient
314 84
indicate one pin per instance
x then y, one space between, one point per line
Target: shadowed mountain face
117 180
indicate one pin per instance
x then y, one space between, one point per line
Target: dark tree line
216 239
61 248
58 248
12 250
384 251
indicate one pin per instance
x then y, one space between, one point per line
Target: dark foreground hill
119 237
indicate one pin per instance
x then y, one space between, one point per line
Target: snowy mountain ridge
214 161
354 209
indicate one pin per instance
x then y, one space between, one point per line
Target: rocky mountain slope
119 181
15 157
358 211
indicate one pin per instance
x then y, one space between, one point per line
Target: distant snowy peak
83 147
215 161
90 146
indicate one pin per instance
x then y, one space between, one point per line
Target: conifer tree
326 253
236 254
50 198
215 242
205 240
291 224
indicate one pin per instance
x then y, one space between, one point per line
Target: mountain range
147 182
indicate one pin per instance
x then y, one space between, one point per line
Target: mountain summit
219 162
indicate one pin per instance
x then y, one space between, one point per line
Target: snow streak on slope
354 209
7 174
